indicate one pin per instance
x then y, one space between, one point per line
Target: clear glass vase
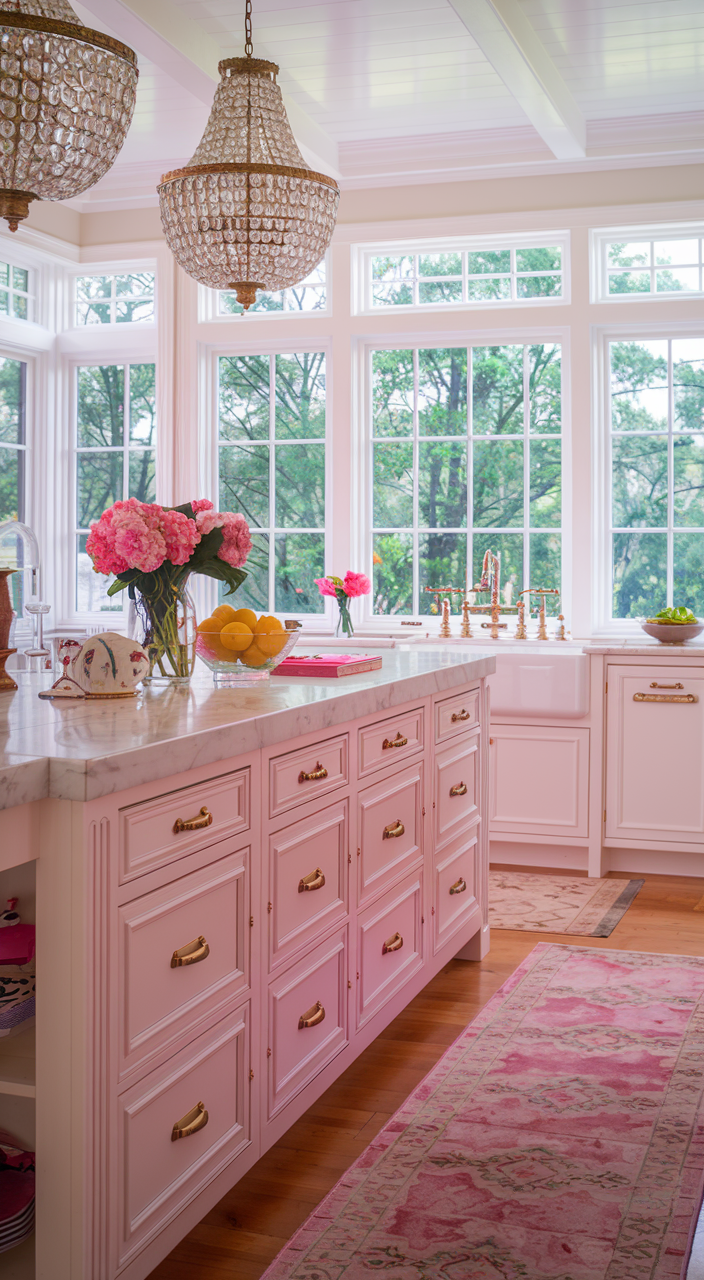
343 626
164 623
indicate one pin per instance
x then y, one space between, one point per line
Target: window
657 475
13 446
309 295
118 299
648 261
481 274
272 469
466 449
15 298
115 458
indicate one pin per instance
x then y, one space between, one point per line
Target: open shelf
18 1263
18 1064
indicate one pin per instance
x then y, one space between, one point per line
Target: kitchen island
236 891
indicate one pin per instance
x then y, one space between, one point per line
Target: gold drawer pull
459 886
394 829
460 715
313 1017
204 819
392 944
196 1119
655 685
317 773
665 697
314 880
459 789
192 953
398 741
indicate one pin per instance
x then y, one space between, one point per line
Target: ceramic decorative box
106 666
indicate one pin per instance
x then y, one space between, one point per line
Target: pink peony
201 504
356 584
236 543
325 587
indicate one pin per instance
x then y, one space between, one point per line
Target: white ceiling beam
509 42
187 53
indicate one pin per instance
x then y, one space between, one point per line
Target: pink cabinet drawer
183 951
456 791
390 740
455 899
389 946
309 772
455 715
307 1019
159 1175
390 830
308 880
168 827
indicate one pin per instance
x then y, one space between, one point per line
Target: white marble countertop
79 750
649 648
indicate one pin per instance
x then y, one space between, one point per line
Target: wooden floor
244 1232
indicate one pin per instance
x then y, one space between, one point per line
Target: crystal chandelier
67 96
246 212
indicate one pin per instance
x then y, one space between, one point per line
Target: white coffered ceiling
406 91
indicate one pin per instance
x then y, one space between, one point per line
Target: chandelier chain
248 47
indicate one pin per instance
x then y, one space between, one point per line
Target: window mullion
416 503
670 477
126 419
469 570
272 482
526 466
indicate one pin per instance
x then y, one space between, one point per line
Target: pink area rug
560 1138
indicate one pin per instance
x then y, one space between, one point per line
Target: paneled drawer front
456 794
311 771
455 715
389 947
390 830
390 740
158 1176
308 880
168 827
455 891
183 951
307 1019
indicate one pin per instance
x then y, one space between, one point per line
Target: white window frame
362 270
603 623
600 239
12 292
209 306
112 270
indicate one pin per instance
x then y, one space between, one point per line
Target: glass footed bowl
236 674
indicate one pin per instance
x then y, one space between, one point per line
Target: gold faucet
542 592
491 581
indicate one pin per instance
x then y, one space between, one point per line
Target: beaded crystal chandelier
246 212
67 97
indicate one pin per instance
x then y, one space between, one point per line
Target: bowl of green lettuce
673 626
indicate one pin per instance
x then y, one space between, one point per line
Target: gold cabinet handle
195 1119
459 789
204 819
192 953
394 829
665 697
315 775
313 1017
392 944
655 685
314 880
459 886
460 715
398 741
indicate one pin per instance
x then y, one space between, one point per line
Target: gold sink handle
460 715
204 819
312 1017
314 880
459 789
459 886
195 1119
394 829
192 953
392 944
315 774
398 741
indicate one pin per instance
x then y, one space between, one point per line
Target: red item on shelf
17 944
325 666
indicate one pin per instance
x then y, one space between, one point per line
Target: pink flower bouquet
343 589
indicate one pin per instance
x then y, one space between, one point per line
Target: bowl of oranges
241 648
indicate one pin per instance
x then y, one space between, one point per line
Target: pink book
328 665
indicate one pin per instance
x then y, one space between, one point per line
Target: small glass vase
344 621
165 625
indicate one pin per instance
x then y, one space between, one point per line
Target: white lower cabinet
539 780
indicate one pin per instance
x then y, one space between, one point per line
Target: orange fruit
253 657
236 636
271 643
247 616
225 613
266 624
209 639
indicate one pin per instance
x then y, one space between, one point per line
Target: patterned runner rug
581 905
561 1137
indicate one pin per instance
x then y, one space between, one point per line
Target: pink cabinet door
455 891
308 880
655 753
307 773
390 830
538 780
159 1174
389 946
183 952
456 794
390 740
166 828
307 1019
456 714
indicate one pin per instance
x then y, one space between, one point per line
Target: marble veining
650 648
82 750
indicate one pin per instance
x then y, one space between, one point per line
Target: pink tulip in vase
343 589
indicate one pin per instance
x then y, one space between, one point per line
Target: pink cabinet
308 880
390 830
389 946
539 780
456 790
389 741
158 831
455 889
456 714
307 773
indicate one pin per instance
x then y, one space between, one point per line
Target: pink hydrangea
325 586
236 543
100 546
181 536
356 584
209 520
138 540
201 504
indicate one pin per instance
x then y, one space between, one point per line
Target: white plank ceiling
399 91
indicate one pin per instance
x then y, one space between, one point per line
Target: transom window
272 427
115 299
466 456
482 274
15 298
115 458
655 266
309 295
657 475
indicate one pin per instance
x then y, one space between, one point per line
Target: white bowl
673 632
